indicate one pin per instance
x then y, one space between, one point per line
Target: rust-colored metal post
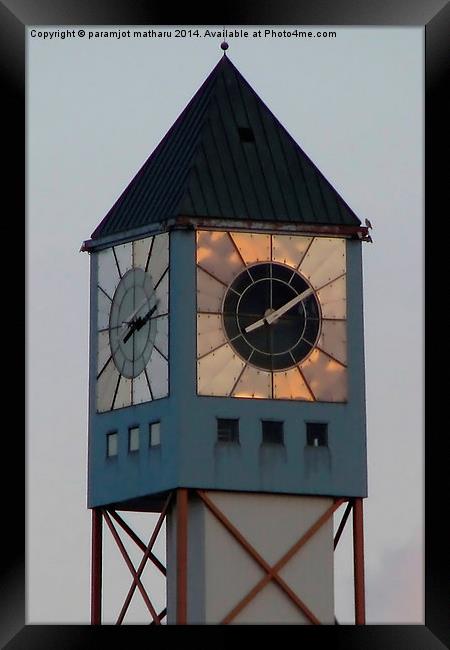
358 562
182 540
96 567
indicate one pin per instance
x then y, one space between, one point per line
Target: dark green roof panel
227 156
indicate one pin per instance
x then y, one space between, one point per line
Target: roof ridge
216 70
291 138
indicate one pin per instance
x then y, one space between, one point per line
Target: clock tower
227 367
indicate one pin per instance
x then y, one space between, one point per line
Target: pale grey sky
96 108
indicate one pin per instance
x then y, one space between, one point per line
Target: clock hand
274 316
255 325
131 321
130 332
131 316
139 323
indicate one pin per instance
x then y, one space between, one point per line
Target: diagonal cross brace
272 572
129 564
342 524
159 565
147 555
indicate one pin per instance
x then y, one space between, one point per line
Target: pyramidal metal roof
227 157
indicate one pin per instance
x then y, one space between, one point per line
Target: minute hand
275 315
131 316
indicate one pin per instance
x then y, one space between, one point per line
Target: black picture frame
435 16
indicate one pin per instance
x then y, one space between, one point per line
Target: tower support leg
358 562
96 567
182 559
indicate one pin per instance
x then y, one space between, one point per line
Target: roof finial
224 45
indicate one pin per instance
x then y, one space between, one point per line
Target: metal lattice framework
272 572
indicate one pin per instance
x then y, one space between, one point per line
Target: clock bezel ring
248 360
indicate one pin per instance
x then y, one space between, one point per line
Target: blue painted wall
189 454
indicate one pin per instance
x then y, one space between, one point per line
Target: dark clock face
271 316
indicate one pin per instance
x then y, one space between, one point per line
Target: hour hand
140 322
129 333
254 326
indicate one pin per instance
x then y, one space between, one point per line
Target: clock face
267 320
132 323
271 316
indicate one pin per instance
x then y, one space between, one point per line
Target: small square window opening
133 439
317 434
155 434
246 134
272 432
227 430
111 444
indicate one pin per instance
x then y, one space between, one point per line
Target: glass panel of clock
271 316
132 322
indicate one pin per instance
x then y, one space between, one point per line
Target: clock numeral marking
250 275
292 277
117 262
305 253
149 254
202 356
108 329
330 356
212 275
338 277
238 379
163 355
271 280
104 292
104 367
115 392
160 279
148 383
307 385
237 250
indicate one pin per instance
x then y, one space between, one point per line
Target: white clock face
132 323
271 316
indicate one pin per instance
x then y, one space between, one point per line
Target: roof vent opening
246 134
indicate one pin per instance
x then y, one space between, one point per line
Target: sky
96 109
